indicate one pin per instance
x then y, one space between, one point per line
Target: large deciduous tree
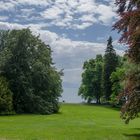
26 63
129 26
98 79
110 64
91 87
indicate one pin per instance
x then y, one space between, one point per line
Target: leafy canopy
26 63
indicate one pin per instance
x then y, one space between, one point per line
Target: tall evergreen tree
110 64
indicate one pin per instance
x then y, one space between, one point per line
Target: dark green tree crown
110 48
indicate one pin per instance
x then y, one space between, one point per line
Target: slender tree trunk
98 101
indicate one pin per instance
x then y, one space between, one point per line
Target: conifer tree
110 64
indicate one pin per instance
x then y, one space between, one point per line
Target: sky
76 30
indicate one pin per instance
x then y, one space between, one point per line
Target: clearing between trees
74 122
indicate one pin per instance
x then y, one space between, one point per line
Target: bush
6 105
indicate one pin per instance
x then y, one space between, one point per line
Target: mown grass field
74 122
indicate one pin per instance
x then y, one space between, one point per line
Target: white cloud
8 26
105 13
87 6
47 36
88 18
84 14
52 13
34 2
72 14
8 5
82 26
26 11
119 47
12 4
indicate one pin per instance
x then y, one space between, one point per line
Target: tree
129 26
98 79
86 89
91 86
27 65
6 105
117 78
110 64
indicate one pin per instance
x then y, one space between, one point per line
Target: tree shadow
112 107
136 128
107 106
135 135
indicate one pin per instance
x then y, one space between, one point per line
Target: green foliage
26 63
86 89
131 108
117 78
103 77
110 64
91 87
118 81
6 105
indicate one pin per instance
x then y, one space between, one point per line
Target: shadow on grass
135 135
112 108
136 128
29 114
107 106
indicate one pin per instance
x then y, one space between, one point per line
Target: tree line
128 25
105 80
29 81
98 80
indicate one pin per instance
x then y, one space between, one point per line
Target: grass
74 122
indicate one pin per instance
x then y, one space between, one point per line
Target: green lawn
74 122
